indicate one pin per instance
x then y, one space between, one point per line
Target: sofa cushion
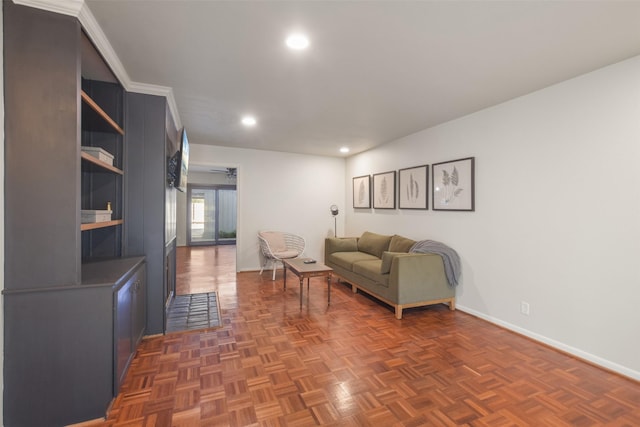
387 257
346 259
373 243
371 270
343 244
400 244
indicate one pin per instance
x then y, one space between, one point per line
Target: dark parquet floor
354 364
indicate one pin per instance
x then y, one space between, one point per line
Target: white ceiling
376 70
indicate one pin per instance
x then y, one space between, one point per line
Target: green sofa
382 267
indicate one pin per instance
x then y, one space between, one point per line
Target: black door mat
194 311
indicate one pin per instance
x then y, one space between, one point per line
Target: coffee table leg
329 289
284 268
301 287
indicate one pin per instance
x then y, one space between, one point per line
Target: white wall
557 212
279 191
210 178
181 218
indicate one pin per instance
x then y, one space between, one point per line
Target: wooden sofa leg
354 288
398 312
452 304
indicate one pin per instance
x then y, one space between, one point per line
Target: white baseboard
599 361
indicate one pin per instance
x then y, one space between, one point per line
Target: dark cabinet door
139 317
129 323
123 343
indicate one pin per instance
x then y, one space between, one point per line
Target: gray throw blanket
449 256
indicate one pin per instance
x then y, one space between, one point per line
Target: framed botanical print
453 185
412 190
384 190
362 192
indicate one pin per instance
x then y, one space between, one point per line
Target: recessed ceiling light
249 121
344 149
297 41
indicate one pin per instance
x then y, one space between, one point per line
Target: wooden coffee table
306 271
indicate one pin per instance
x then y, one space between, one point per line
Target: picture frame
384 190
362 192
453 187
413 188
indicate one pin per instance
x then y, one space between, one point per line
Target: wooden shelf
100 112
95 225
100 164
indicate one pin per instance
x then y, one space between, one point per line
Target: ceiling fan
228 172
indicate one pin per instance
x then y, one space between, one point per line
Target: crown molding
64 7
80 10
165 91
99 39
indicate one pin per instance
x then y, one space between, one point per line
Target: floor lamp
334 212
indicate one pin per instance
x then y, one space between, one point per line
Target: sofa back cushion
342 244
373 244
400 244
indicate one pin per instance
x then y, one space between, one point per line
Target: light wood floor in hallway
353 364
202 269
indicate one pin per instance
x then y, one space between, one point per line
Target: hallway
202 269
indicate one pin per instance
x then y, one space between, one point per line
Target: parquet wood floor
354 364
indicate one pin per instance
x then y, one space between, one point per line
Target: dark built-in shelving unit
78 297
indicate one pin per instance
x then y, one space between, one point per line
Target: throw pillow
387 257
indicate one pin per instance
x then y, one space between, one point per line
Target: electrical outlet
524 308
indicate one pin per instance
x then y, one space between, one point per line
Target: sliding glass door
211 214
226 230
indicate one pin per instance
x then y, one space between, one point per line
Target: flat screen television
182 165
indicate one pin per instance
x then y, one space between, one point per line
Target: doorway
211 214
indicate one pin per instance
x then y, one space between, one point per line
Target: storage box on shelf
99 153
89 216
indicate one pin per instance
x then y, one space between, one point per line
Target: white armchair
277 245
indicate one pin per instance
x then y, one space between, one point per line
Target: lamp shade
334 210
